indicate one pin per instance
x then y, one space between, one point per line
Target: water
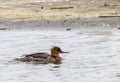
94 56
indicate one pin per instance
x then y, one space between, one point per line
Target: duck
43 57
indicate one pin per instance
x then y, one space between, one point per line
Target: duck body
43 57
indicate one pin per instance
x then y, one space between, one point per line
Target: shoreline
29 14
32 10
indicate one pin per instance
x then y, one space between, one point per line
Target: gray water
110 23
94 56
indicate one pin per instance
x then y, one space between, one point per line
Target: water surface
94 56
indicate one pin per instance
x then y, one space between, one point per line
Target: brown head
55 51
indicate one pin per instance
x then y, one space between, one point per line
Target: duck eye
58 50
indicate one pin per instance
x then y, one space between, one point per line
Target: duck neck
54 54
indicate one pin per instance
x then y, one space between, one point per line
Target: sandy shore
33 10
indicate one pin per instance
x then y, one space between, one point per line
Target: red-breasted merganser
44 57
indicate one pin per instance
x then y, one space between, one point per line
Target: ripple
93 54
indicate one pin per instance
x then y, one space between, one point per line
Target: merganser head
55 51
